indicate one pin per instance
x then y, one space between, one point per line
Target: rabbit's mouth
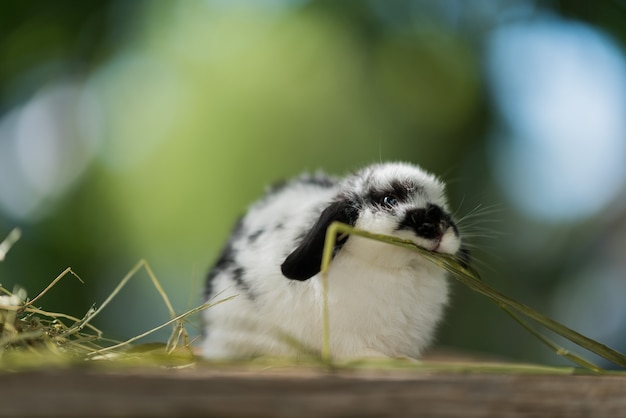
446 242
436 245
433 227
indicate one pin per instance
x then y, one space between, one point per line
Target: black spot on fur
397 189
255 235
277 187
239 274
318 180
226 260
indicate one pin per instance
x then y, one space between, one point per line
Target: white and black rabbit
383 300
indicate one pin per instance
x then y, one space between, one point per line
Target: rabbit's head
394 199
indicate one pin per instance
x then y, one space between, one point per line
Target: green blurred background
143 129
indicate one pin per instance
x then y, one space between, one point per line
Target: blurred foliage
41 41
203 104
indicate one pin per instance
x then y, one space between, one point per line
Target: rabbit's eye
389 201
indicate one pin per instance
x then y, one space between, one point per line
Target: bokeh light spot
561 90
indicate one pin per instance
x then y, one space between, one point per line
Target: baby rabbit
383 300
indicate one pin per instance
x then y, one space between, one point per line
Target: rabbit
384 301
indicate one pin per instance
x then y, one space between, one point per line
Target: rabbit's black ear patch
305 261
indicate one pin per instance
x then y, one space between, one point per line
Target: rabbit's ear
305 261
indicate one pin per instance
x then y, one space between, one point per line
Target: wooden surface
307 393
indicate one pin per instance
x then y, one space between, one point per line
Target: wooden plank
307 393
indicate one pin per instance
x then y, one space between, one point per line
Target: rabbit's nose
429 223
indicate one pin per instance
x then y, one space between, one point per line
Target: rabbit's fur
383 300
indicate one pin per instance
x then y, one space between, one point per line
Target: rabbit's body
383 300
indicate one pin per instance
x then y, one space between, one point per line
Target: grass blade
8 242
180 317
471 279
51 285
